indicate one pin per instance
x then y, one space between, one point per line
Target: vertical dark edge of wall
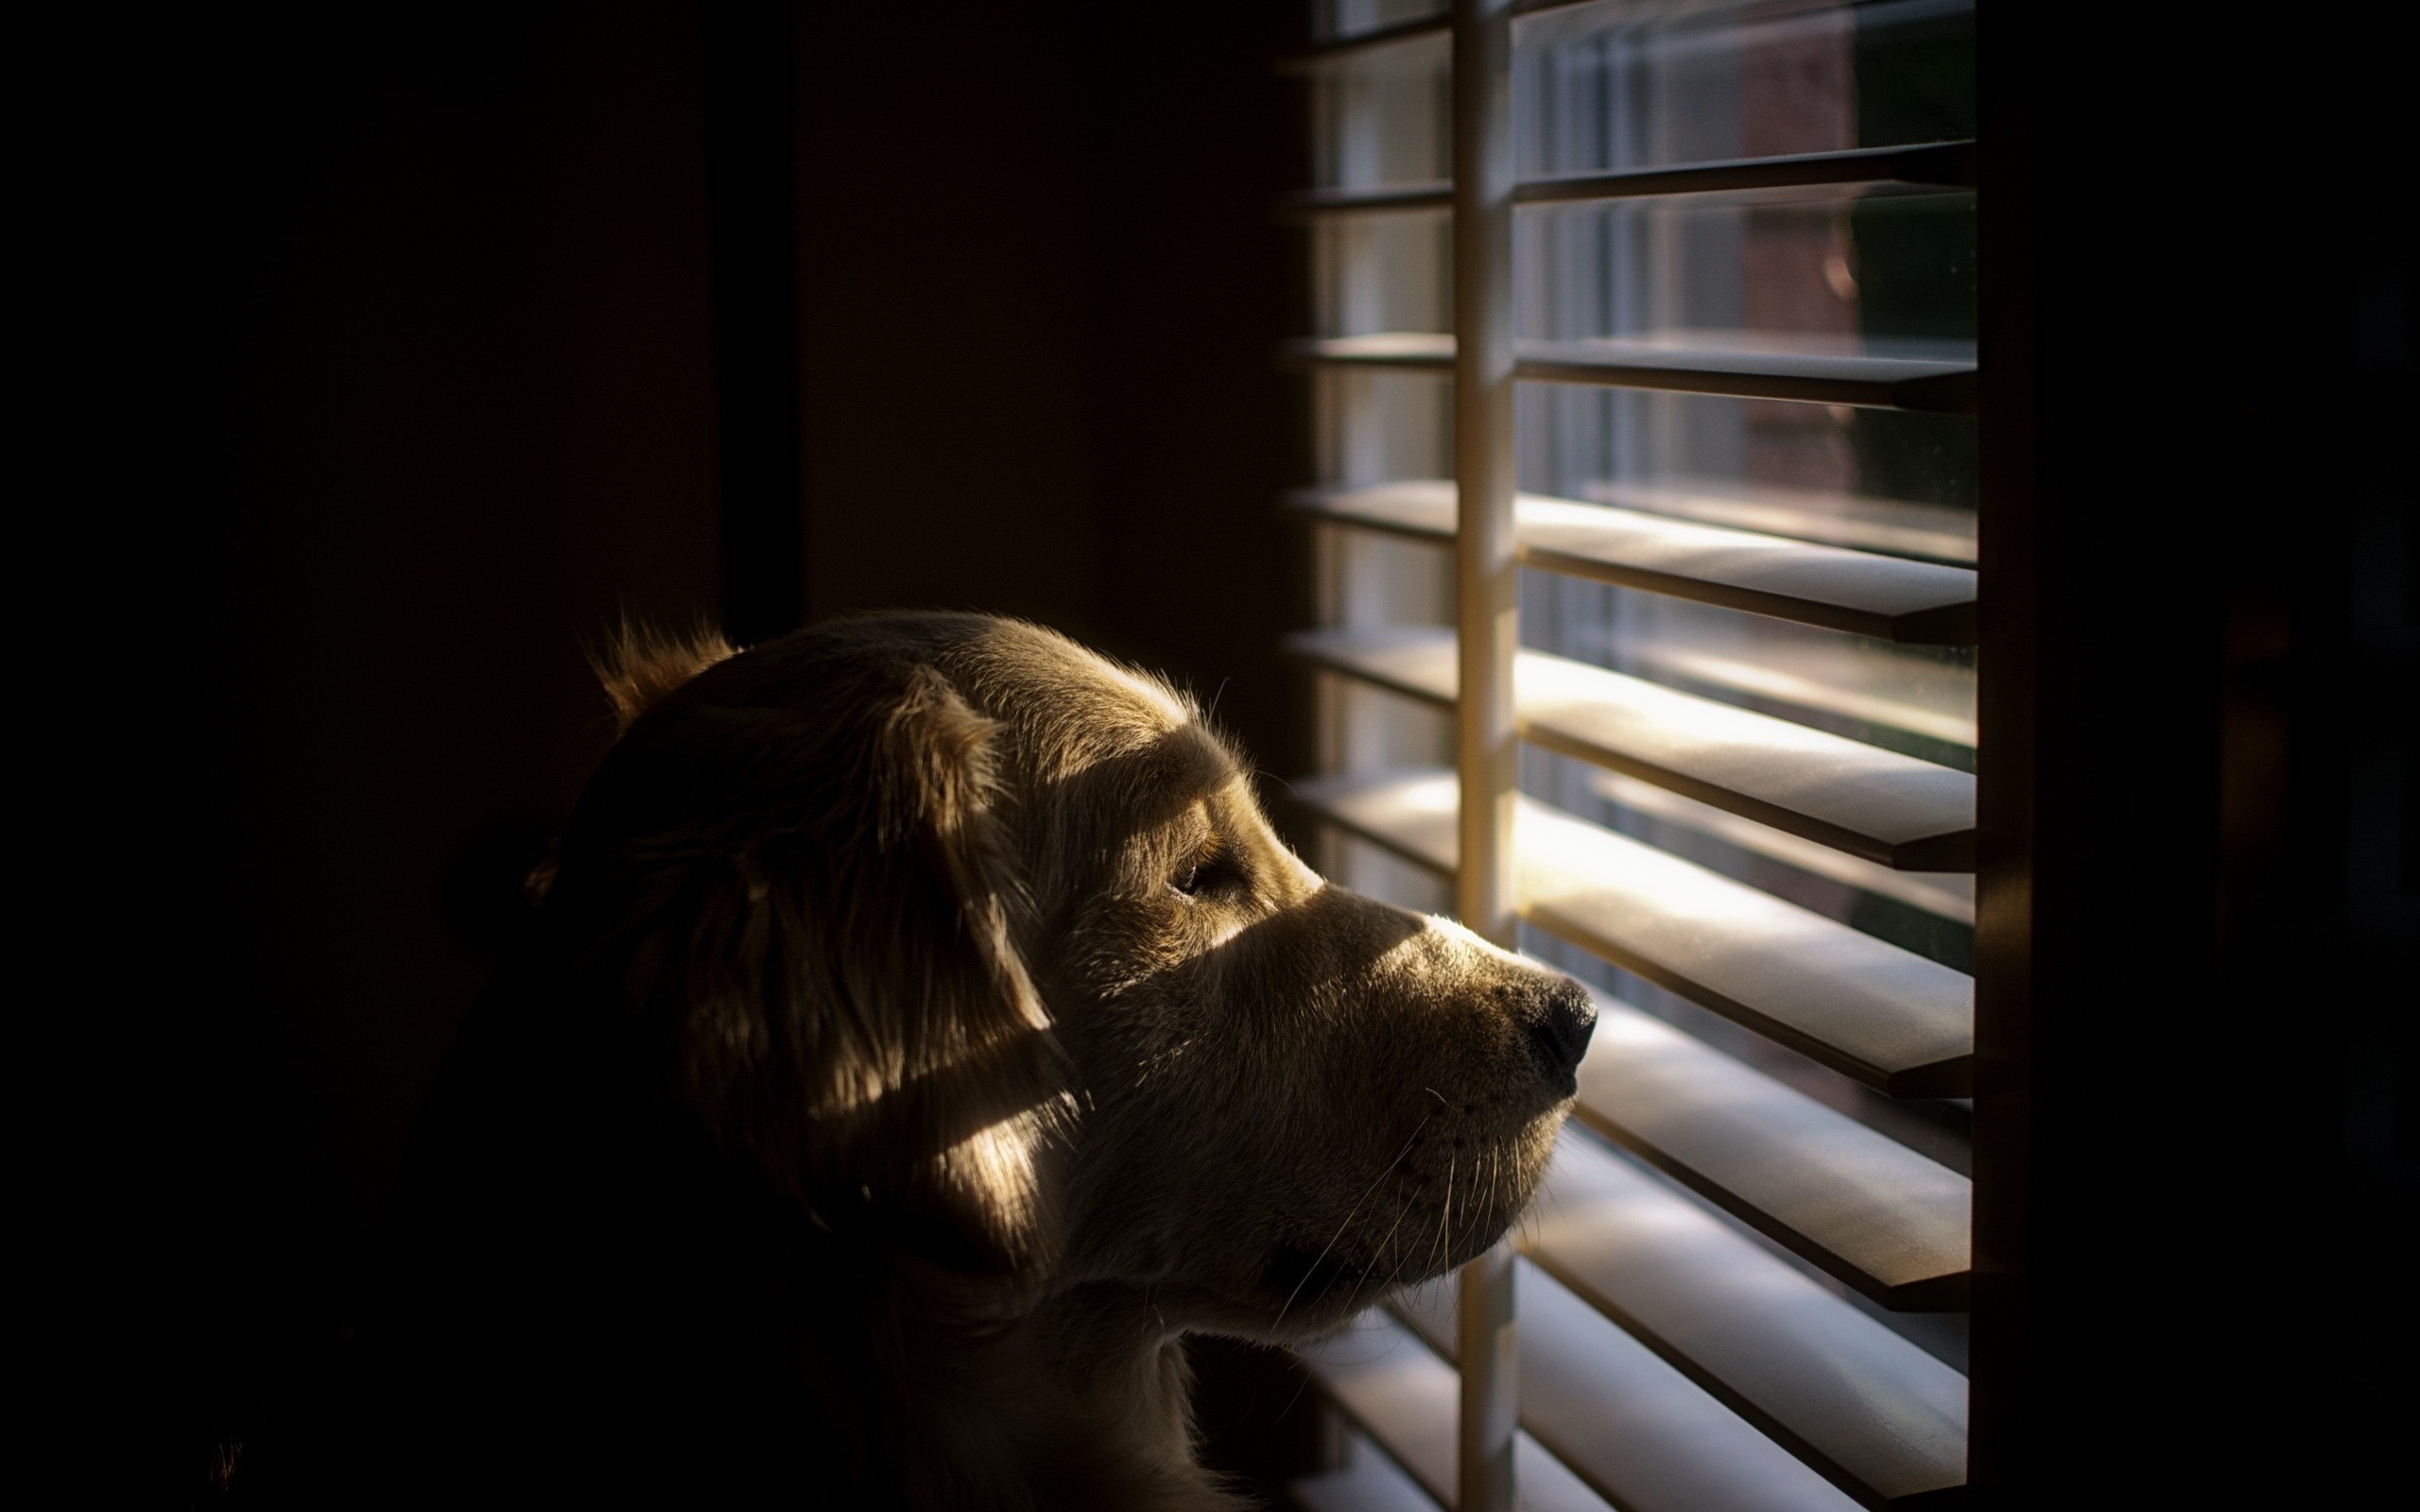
751 72
2194 1101
2006 317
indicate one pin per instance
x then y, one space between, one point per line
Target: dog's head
980 947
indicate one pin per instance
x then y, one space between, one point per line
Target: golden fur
924 1031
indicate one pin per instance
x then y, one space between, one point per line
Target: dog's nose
1560 1032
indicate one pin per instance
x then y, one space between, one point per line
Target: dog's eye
1200 875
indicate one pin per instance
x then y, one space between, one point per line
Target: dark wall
1043 289
943 263
422 405
477 430
414 391
1192 286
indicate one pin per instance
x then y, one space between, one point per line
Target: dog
921 1032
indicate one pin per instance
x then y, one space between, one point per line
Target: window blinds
1645 377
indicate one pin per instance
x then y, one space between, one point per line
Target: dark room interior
406 354
480 376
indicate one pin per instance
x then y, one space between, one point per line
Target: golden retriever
923 1031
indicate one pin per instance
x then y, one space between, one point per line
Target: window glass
1629 84
1381 115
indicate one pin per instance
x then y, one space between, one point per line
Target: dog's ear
639 667
845 1002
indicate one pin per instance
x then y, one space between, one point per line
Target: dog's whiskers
1351 1214
1385 1243
1444 1219
1403 1257
1497 1165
